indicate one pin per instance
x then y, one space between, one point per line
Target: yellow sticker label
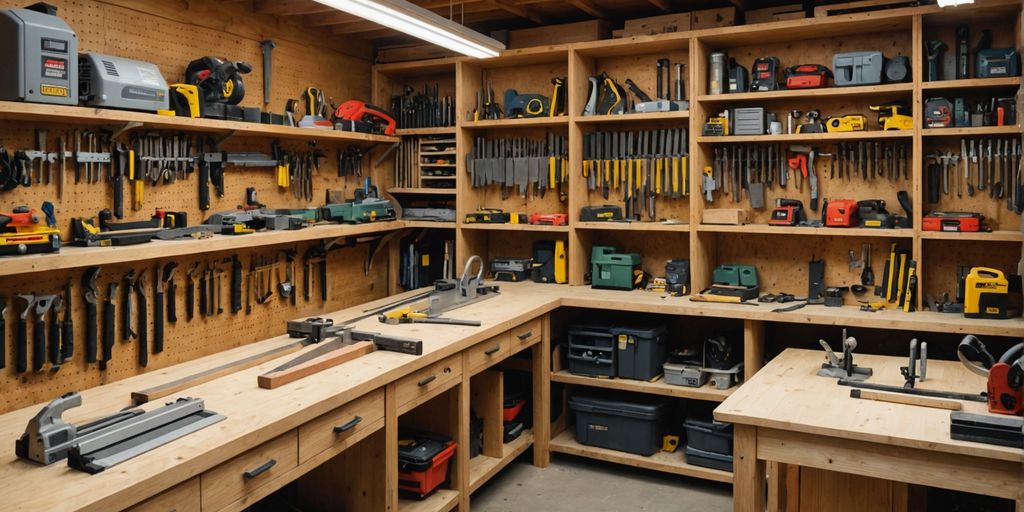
425 260
992 311
53 90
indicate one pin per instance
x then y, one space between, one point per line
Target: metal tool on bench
95 446
345 344
917 367
408 316
842 368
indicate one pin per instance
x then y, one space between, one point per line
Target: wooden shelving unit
796 230
633 117
673 463
809 137
439 130
976 131
140 120
482 468
516 227
423 191
443 500
801 94
972 83
657 387
428 224
534 122
634 226
981 236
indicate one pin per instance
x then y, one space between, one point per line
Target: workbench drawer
416 388
183 497
255 468
527 334
483 355
342 427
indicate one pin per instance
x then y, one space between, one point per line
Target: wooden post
753 347
542 396
748 473
391 448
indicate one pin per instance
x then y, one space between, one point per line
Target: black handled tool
109 313
127 331
43 305
268 46
143 318
158 313
204 181
236 284
172 292
3 331
67 330
119 167
53 343
89 294
21 342
190 290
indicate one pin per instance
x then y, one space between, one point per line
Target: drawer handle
348 426
493 350
526 335
253 473
427 380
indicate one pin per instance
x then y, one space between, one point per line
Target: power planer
115 82
42 55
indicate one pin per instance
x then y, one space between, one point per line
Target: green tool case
612 271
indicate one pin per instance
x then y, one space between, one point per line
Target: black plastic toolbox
640 351
709 435
591 351
633 426
705 459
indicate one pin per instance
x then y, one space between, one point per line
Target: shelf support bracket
122 131
223 138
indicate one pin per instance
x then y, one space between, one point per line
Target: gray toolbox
857 68
749 121
591 351
115 82
633 426
640 351
705 459
41 54
708 443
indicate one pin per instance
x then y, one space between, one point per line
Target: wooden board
275 379
592 30
666 23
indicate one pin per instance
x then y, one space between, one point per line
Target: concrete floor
575 484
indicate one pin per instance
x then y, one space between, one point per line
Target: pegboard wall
170 35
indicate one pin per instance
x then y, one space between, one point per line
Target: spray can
717 73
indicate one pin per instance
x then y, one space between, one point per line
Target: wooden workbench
257 416
787 414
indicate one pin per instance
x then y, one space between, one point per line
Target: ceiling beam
588 7
661 4
438 7
522 11
740 4
289 7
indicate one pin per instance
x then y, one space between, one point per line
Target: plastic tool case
423 461
708 443
627 426
592 351
640 351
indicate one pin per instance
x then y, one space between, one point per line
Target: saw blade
323 348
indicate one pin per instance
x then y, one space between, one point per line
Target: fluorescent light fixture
954 3
420 23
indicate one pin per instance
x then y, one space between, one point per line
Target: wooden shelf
764 229
633 117
994 236
535 122
452 177
673 463
516 227
482 468
440 130
801 94
634 226
972 83
658 387
443 500
423 191
965 132
77 257
808 137
12 110
429 224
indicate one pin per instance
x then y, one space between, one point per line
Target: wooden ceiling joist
517 9
588 7
289 7
661 4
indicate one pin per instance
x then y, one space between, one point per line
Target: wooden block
403 53
560 34
657 25
729 216
896 398
712 18
779 13
617 34
859 6
272 380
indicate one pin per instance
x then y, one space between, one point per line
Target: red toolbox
423 461
513 406
953 222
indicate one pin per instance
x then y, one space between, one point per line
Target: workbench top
788 395
256 415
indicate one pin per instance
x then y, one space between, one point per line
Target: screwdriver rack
780 256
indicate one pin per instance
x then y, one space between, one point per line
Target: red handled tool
360 111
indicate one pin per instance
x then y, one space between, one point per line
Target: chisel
143 318
109 313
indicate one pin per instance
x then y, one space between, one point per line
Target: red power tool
25 231
363 117
1005 377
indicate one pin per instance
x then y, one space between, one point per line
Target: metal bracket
223 138
122 131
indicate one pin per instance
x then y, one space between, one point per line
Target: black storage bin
627 426
591 351
708 459
709 436
640 351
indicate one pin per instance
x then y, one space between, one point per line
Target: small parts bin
591 351
627 426
708 459
423 461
